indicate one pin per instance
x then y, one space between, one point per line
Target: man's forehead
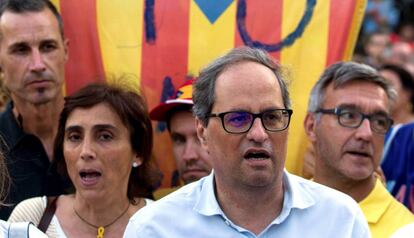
182 120
182 114
248 84
354 83
250 69
357 93
26 23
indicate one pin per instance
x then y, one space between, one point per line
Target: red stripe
340 19
85 61
263 22
166 56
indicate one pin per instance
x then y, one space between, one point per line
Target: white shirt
406 231
309 210
33 232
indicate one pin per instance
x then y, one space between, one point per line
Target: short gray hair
204 87
342 73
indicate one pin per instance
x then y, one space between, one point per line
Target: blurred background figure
399 53
374 46
380 15
403 108
104 145
404 33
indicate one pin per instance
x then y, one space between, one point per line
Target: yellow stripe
355 27
120 30
56 3
187 92
208 41
306 60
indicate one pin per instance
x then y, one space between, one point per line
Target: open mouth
90 177
257 155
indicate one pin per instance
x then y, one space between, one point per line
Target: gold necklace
101 229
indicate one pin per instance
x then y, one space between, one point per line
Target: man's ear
201 133
310 126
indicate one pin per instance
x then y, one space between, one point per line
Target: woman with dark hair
103 145
402 81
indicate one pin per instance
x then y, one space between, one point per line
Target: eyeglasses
237 122
352 118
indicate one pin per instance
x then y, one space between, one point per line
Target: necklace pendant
101 231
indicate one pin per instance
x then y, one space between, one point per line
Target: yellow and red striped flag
158 43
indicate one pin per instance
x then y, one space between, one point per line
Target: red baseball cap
183 96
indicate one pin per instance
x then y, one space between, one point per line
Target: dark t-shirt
30 170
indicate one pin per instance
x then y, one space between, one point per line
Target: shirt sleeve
34 232
29 210
130 230
361 228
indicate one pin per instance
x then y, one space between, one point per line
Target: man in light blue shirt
241 104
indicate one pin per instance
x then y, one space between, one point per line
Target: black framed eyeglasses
379 122
237 122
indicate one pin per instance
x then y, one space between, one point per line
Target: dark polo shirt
29 167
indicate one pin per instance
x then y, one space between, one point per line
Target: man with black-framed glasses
242 110
347 119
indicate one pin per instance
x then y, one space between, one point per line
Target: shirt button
227 222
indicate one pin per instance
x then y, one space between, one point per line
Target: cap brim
160 112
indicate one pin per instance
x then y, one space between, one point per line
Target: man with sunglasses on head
242 110
347 119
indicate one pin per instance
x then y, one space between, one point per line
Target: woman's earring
134 164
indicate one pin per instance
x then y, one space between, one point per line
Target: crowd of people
81 165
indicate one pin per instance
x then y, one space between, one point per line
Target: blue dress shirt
309 210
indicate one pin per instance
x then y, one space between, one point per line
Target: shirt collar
206 203
295 197
376 203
